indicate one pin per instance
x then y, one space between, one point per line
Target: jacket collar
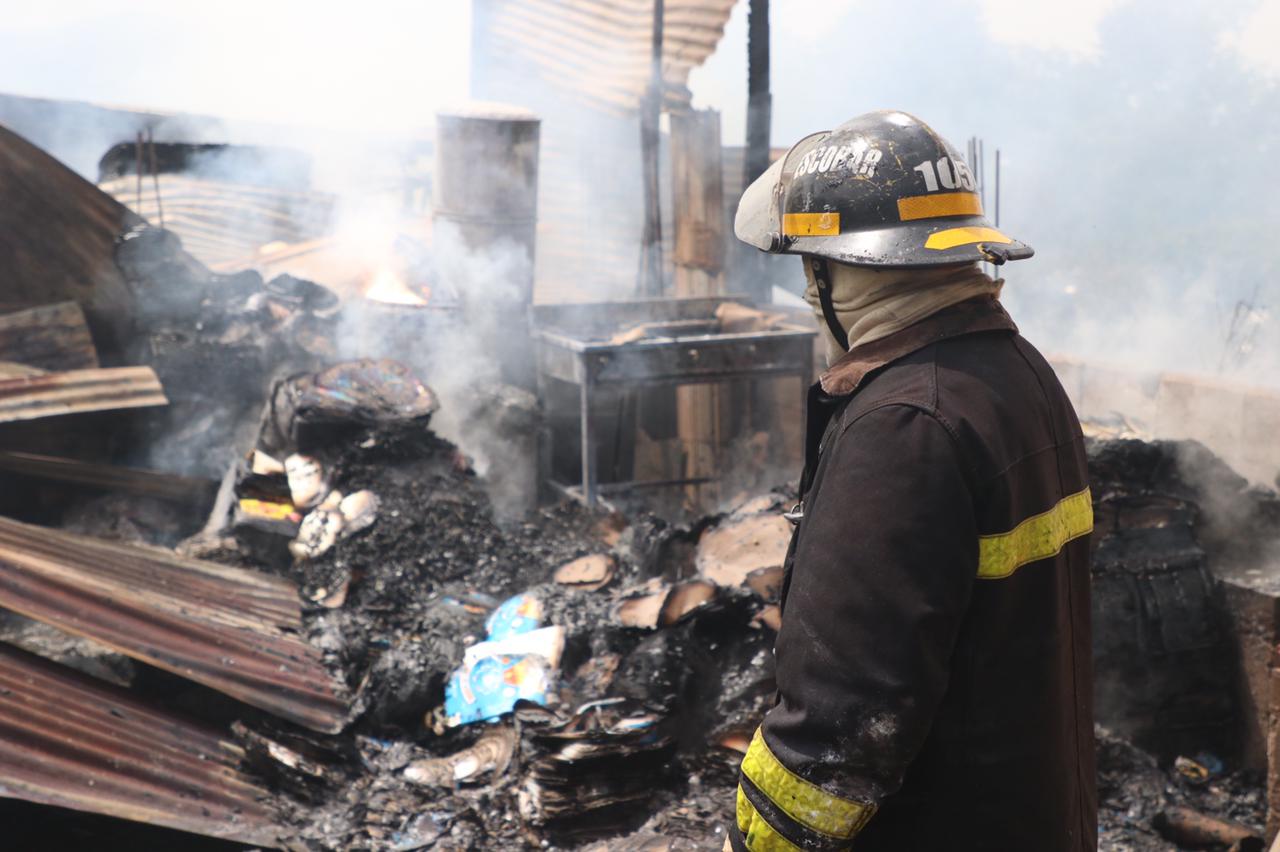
973 315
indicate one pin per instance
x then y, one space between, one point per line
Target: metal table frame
593 364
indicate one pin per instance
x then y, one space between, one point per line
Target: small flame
387 286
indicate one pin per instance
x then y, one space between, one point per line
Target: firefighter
933 664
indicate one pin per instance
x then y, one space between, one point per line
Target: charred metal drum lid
882 189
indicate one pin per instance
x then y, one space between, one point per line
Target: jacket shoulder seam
1054 447
932 413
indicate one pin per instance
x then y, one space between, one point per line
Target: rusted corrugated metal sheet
79 391
223 223
601 49
233 630
50 337
57 240
71 741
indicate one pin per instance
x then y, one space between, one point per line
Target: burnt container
486 199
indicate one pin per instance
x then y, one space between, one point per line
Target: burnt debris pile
217 343
1179 758
560 677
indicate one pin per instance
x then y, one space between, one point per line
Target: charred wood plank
233 630
51 337
1194 830
187 490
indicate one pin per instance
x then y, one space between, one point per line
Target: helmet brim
932 243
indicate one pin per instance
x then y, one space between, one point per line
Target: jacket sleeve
883 570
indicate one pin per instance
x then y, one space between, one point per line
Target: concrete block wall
1255 616
1240 423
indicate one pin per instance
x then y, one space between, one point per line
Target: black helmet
880 190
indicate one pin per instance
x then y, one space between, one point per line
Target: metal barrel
486 179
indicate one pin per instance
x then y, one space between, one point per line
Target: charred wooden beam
233 630
651 266
1194 830
187 490
79 391
74 742
51 337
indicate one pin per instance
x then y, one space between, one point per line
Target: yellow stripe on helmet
939 204
825 224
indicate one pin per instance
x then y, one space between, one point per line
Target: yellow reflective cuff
756 831
1038 537
941 204
825 224
806 803
952 237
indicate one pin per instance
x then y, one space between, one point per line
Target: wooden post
759 99
698 209
650 283
1272 722
137 162
698 203
754 278
155 176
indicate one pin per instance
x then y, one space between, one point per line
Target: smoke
459 343
1136 137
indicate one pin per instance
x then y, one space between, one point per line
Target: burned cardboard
730 552
598 768
588 573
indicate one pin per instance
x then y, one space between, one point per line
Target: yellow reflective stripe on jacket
806 803
1038 537
756 831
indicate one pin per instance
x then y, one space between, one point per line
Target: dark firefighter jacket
934 672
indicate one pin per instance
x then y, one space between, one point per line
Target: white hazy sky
378 63
1139 137
391 63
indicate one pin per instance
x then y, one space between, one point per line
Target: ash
1133 789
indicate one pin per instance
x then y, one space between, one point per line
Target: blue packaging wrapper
491 686
514 616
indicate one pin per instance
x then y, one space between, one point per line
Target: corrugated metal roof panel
71 741
233 630
79 391
220 222
57 239
600 49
